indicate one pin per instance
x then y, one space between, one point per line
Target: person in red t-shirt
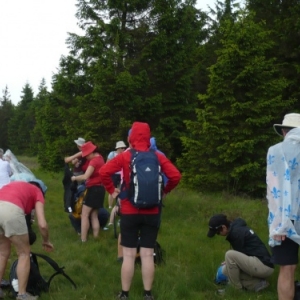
94 197
137 223
18 199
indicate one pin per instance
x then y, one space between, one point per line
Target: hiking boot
26 296
147 297
120 296
1 294
261 285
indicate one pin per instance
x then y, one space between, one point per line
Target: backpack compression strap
59 270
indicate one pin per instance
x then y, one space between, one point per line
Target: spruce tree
227 144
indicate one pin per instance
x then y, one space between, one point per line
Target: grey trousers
244 271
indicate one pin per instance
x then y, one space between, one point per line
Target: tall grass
191 258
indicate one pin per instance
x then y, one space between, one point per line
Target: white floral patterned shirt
283 188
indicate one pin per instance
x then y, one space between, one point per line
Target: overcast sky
33 37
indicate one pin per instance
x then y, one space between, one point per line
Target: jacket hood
140 136
153 144
238 223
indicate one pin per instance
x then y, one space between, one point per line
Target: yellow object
78 206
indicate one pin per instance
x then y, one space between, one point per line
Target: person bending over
249 263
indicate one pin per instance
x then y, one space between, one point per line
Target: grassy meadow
191 259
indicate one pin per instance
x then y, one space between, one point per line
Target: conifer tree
21 124
6 113
227 144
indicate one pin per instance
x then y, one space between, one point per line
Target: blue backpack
146 180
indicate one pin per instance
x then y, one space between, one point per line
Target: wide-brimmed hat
120 144
289 121
215 223
87 148
80 141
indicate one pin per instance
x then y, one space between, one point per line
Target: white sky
32 36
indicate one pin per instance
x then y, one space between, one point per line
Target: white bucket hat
120 144
289 121
79 142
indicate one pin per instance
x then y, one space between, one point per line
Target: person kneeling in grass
249 263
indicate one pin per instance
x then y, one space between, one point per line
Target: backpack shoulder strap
55 266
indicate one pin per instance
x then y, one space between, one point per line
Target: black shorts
116 178
94 196
285 254
140 226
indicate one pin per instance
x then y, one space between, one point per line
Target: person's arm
69 159
89 171
171 172
110 168
43 226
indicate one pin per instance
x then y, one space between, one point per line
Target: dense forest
211 85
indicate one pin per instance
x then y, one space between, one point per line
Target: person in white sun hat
79 163
120 147
283 195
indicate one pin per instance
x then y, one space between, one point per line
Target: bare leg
148 267
127 270
5 247
95 222
85 222
110 201
285 283
113 214
120 248
21 242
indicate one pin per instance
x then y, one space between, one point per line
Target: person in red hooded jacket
137 223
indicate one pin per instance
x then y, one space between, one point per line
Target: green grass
191 258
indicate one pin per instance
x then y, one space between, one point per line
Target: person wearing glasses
248 264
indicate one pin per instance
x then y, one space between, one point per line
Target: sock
147 293
125 293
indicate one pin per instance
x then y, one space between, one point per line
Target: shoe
1 294
148 297
261 285
105 228
109 224
220 292
26 296
120 296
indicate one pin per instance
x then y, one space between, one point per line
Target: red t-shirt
97 162
23 194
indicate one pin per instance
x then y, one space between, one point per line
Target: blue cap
41 184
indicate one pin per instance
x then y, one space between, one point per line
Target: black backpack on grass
36 282
158 254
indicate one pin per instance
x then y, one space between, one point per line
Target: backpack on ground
146 180
36 282
77 209
158 254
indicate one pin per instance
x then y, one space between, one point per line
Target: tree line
210 84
